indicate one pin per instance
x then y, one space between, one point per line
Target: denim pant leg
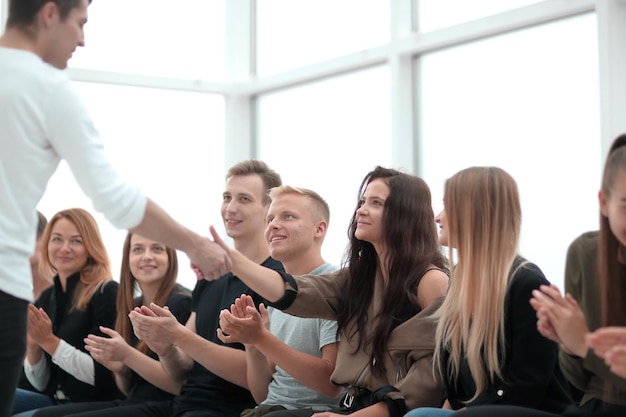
429 412
12 347
29 413
28 400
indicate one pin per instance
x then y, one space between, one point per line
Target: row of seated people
393 331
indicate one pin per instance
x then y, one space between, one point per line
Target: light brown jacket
408 362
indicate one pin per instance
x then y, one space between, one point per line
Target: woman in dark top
488 348
595 278
150 268
81 300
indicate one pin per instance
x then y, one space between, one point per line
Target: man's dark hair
22 13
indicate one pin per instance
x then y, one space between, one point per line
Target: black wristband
397 408
286 300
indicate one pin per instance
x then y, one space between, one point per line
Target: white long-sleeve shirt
42 120
73 361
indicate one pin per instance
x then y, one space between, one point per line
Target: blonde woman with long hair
592 307
488 349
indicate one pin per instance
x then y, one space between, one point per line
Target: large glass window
170 144
326 136
514 102
292 34
438 14
183 39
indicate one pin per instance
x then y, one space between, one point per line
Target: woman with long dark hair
382 298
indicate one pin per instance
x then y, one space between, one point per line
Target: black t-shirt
203 389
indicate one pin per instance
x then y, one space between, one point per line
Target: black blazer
73 326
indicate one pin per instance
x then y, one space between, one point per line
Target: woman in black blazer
81 299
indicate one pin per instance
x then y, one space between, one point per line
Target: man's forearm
259 373
226 362
176 363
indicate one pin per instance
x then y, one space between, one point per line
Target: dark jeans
74 408
12 347
145 409
26 401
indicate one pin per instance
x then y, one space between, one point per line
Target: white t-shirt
42 120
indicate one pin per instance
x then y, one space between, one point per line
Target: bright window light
511 101
292 34
326 136
183 39
439 14
170 144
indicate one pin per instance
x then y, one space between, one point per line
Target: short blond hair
322 211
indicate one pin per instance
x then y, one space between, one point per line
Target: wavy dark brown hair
410 236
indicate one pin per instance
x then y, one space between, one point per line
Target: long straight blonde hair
483 224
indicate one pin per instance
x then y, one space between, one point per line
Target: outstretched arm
264 281
157 225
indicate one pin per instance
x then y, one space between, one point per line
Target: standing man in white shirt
42 121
